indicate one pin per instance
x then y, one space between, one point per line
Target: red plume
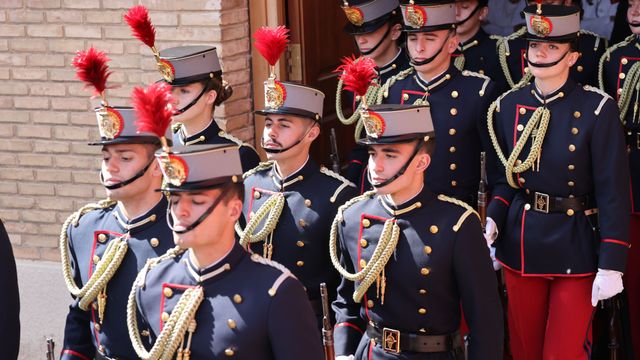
357 74
92 68
271 42
153 106
138 19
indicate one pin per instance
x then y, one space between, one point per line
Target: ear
155 169
396 31
483 13
212 95
423 161
314 132
234 208
453 43
573 57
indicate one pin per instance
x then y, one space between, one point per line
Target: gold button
522 111
572 148
619 91
363 263
165 316
422 311
422 292
94 305
153 217
393 66
256 195
453 111
520 127
433 229
102 238
570 212
299 243
577 114
624 61
307 202
154 242
237 298
97 326
580 68
425 271
427 250
299 263
521 180
527 207
518 162
231 323
405 97
370 304
571 183
571 167
101 348
364 243
452 149
366 223
454 183
167 292
229 352
452 131
575 131
144 333
621 76
454 94
452 167
96 259
526 70
302 223
358 98
481 72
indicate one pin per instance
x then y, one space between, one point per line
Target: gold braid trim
226 135
459 61
631 84
596 43
607 56
262 166
182 317
540 116
465 215
271 209
384 250
286 273
481 76
503 52
65 256
345 183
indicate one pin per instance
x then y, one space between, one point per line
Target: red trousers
631 280
549 318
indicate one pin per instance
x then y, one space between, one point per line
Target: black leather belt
395 341
633 139
101 356
546 203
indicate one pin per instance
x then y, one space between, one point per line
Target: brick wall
46 169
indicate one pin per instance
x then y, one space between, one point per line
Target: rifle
50 355
612 306
327 330
335 158
482 190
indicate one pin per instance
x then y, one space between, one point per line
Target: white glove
490 231
344 357
496 265
606 284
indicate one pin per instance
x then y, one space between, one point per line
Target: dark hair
233 191
428 147
222 88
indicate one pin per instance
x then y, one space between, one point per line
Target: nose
180 210
111 166
176 97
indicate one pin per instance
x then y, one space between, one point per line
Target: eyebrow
279 119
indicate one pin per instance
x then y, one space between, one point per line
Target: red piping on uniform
95 321
370 349
356 162
522 60
75 353
95 241
524 213
619 242
544 275
410 92
174 286
501 199
515 130
348 324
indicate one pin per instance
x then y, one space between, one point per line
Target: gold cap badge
275 94
175 169
110 123
373 123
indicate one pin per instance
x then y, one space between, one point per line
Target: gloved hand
490 231
496 265
344 357
606 284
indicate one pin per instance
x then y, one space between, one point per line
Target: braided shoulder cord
631 83
345 183
262 166
503 53
74 219
469 210
271 209
607 56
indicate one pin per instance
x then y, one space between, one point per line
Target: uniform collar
143 221
304 172
558 94
226 263
475 40
419 200
210 132
437 81
391 65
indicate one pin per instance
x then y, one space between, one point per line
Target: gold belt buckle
391 340
541 203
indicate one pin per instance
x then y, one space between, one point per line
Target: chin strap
545 65
200 219
399 173
370 51
193 102
126 182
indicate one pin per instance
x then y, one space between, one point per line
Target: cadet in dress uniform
208 298
512 52
424 252
563 176
10 301
376 26
477 49
290 200
456 98
195 74
104 245
619 77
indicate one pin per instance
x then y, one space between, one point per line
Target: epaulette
345 183
261 166
153 262
625 42
478 75
367 195
465 215
504 40
496 37
516 87
383 92
286 273
75 217
596 44
176 127
605 97
226 135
